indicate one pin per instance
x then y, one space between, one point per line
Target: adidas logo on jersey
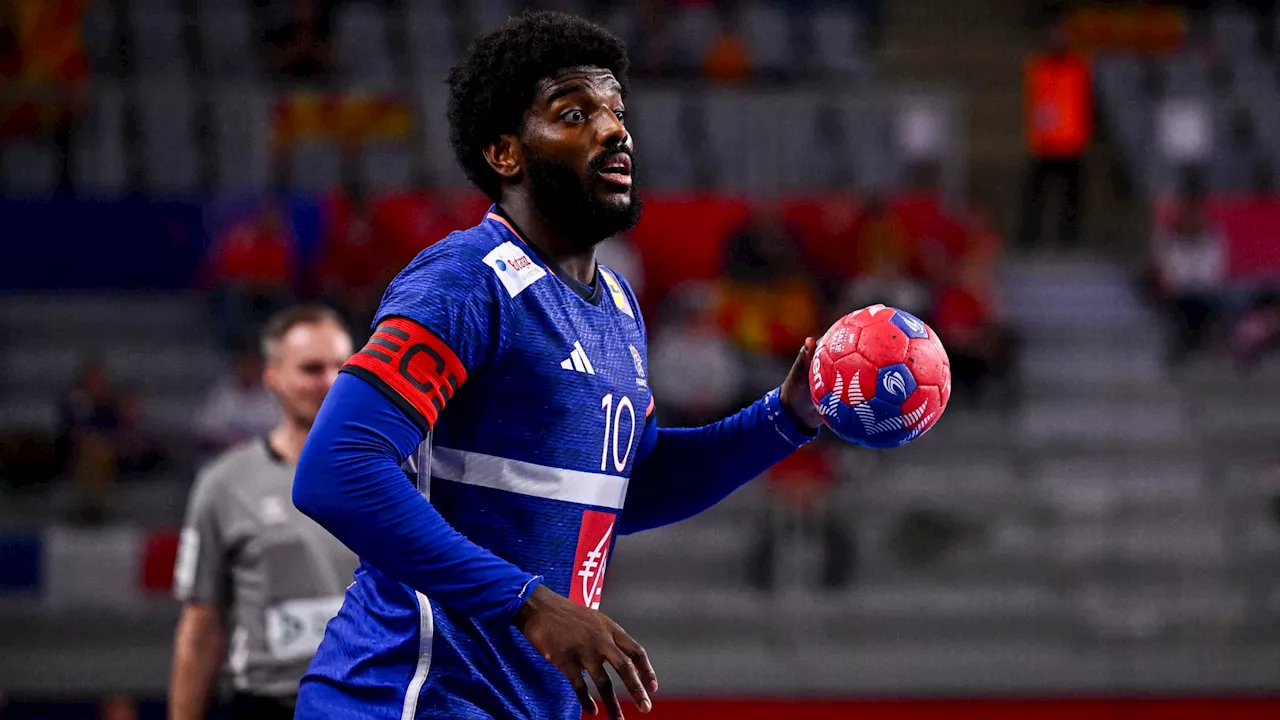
577 361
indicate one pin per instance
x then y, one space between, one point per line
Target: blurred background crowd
1079 197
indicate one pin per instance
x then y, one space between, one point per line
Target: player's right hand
580 640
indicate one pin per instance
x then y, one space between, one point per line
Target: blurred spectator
89 405
238 407
43 69
977 344
251 266
1059 127
980 242
728 58
798 487
138 446
696 372
1191 265
935 238
102 434
885 255
882 238
354 268
767 302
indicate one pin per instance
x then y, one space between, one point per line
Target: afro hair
494 84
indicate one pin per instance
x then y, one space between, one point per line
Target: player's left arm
679 472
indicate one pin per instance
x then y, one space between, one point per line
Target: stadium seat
315 166
225 30
432 41
736 138
386 166
170 160
1185 73
814 148
436 154
360 45
866 125
691 28
657 117
766 27
98 155
240 117
1235 36
101 38
489 14
621 21
29 168
837 46
156 36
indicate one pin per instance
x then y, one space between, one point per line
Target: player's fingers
639 657
630 678
579 683
801 365
604 684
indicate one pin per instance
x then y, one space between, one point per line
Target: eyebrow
578 85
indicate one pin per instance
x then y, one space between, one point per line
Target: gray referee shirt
277 575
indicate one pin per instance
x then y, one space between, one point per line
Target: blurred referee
258 579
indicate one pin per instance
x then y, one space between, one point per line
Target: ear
269 373
505 156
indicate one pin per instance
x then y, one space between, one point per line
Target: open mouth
617 170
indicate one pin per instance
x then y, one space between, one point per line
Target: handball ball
880 377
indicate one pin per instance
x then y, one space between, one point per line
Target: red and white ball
880 377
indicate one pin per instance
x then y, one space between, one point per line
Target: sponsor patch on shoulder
514 267
615 291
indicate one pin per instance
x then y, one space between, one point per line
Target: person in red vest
1059 127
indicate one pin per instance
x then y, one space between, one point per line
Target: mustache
602 158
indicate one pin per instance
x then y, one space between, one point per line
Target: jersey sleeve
438 325
200 573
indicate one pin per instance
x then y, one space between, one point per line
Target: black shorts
257 707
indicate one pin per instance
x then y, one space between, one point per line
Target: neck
287 440
564 249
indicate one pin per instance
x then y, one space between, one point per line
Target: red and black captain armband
416 369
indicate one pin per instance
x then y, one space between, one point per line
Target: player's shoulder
479 262
231 465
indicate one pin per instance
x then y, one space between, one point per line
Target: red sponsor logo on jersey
520 262
591 557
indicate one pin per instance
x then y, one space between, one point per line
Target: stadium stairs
159 345
975 47
1116 514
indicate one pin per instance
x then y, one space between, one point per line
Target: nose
612 132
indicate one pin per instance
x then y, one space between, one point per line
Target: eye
573 116
620 114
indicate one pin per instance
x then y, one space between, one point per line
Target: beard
572 204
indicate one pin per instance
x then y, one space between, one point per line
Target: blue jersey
532 393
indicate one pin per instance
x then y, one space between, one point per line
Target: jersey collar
591 293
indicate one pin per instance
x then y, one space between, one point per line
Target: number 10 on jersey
613 429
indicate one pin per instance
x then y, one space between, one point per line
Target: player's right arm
198 648
201 583
429 340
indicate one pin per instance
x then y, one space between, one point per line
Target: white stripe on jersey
577 346
426 635
586 488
